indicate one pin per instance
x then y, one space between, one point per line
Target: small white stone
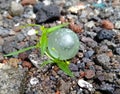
99 1
117 25
18 1
84 84
5 14
75 9
47 2
17 24
31 32
34 81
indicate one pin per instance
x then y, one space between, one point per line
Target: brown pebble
107 24
56 68
76 28
57 92
89 74
28 2
5 61
23 56
82 74
26 64
109 53
14 62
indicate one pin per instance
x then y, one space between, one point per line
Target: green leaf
49 30
43 40
20 51
29 25
46 62
65 67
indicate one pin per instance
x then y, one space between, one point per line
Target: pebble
86 39
12 33
28 2
80 54
103 59
1 41
108 88
16 9
38 6
1 57
11 80
89 74
1 17
23 56
105 34
117 91
77 74
76 28
109 76
109 53
90 24
107 24
35 60
65 86
4 32
117 24
59 2
31 32
26 64
75 9
34 81
73 67
84 84
117 50
110 44
118 81
47 13
47 2
92 44
14 62
8 47
1 49
88 54
81 65
19 37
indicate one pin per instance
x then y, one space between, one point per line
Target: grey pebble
73 67
19 37
8 47
4 32
16 9
88 54
117 50
1 41
1 49
103 59
11 80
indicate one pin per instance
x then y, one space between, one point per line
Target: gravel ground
97 64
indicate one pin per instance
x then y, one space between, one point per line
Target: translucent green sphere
63 44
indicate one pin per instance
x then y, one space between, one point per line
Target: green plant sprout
57 43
